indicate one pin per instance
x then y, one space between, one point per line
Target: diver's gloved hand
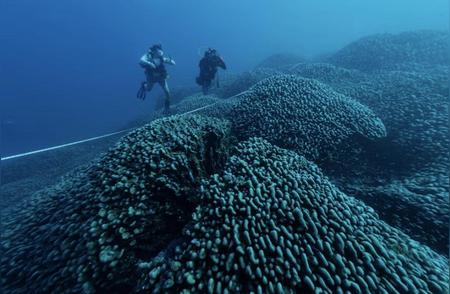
169 60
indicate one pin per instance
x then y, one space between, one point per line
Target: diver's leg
205 89
165 87
207 86
149 85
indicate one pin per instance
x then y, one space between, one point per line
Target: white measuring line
64 145
100 137
212 104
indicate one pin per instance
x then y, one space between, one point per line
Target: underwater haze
69 68
309 153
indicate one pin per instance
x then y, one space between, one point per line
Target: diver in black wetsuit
208 69
153 63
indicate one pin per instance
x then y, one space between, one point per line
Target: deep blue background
68 68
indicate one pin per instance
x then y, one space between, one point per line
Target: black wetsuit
208 69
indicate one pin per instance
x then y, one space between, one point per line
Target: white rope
102 136
212 104
198 109
291 68
64 145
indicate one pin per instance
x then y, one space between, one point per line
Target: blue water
68 69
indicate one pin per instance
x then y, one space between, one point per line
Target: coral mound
416 203
414 108
273 223
401 176
86 235
383 51
412 105
303 115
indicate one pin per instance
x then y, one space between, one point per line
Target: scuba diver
153 63
208 69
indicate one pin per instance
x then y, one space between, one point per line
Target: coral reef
303 115
414 108
85 234
417 203
382 51
271 222
412 105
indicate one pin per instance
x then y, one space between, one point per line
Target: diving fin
142 92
